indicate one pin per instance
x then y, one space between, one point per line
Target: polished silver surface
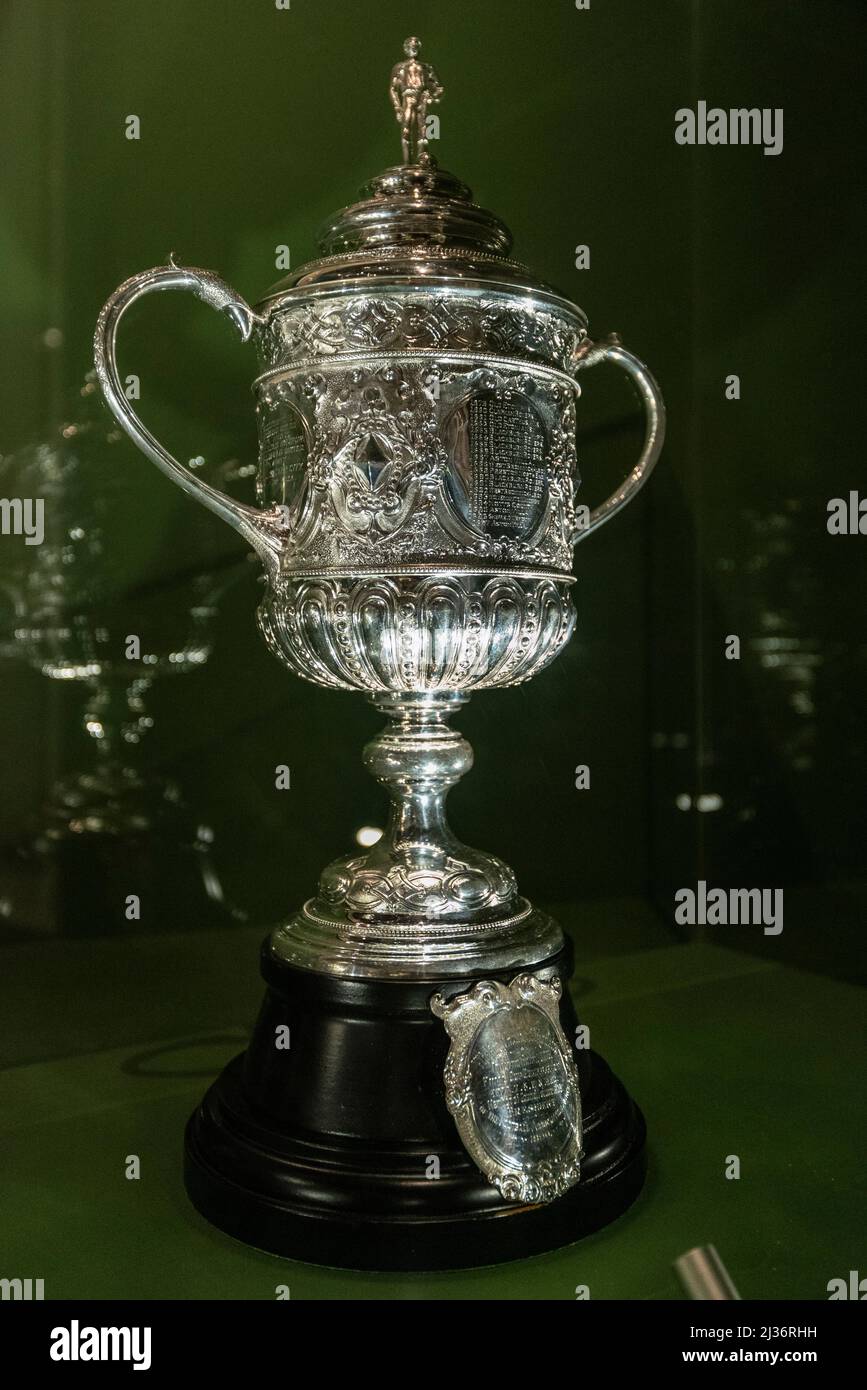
418 486
419 868
359 948
511 1085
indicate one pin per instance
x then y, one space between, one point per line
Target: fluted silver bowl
427 633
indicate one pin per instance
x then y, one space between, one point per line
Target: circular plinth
340 1150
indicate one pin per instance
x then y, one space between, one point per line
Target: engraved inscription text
499 479
523 1098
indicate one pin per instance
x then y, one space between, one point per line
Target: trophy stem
418 758
419 873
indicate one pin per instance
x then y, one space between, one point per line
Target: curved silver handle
262 529
612 350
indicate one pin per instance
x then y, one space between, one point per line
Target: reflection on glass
64 611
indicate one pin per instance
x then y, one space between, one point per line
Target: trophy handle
263 529
611 350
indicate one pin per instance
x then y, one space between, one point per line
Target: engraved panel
498 477
283 451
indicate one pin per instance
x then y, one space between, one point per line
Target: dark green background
708 261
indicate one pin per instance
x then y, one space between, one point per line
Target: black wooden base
339 1149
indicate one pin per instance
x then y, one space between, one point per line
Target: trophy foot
331 1140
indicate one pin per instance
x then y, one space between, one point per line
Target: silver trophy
417 519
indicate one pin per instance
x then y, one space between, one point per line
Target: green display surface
726 1053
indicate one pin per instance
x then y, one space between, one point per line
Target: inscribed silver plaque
511 1085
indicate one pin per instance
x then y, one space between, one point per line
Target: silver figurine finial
414 87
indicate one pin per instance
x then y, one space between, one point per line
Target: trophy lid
414 221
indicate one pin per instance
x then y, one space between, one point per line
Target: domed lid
415 221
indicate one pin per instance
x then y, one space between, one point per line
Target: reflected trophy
67 611
413 1096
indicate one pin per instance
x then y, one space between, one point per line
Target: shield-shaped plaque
511 1085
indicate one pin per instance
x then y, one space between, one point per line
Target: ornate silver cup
417 486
